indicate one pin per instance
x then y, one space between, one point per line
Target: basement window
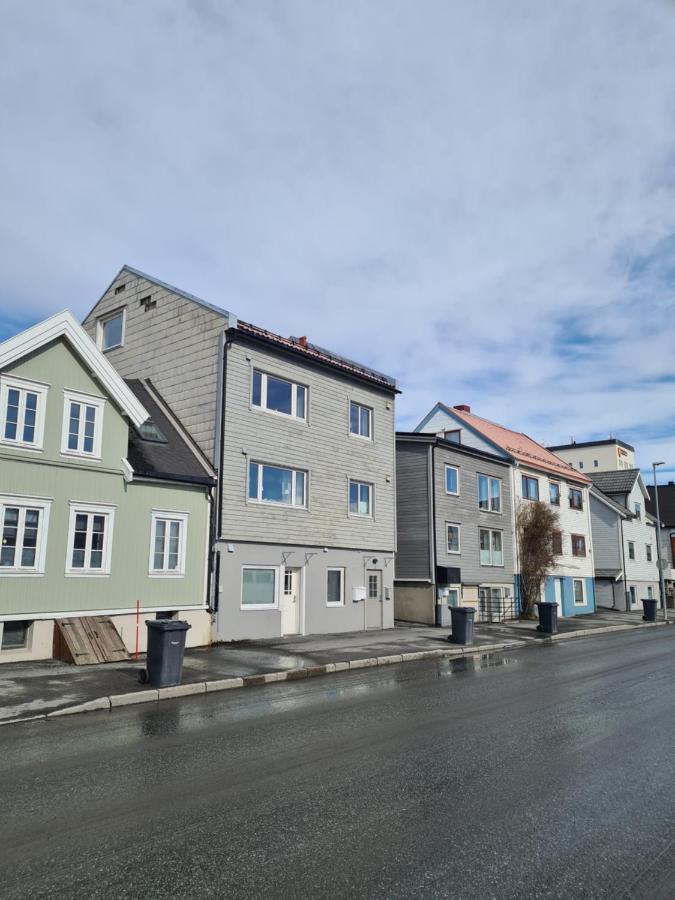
15 635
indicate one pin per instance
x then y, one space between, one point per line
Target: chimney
303 340
462 407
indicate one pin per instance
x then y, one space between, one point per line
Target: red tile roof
301 345
521 447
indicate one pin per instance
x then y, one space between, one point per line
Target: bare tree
538 539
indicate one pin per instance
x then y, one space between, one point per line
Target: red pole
138 617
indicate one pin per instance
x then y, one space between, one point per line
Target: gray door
374 598
604 593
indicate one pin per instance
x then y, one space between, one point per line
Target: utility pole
662 588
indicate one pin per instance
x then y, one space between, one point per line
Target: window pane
12 414
300 401
174 544
112 332
29 418
279 395
89 426
9 536
276 484
299 488
373 586
450 480
253 481
497 548
353 418
453 539
365 422
30 535
495 495
353 497
15 635
256 393
364 499
482 492
258 587
74 426
334 586
578 591
158 553
485 547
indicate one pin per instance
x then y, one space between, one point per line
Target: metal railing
497 609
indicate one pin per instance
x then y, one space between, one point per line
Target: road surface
549 772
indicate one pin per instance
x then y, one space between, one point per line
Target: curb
223 684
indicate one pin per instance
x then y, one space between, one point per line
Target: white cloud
452 192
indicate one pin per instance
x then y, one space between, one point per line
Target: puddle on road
474 664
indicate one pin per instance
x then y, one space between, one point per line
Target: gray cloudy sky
475 196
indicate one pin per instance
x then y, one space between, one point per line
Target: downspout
218 456
623 566
431 474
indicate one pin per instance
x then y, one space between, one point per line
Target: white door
290 602
374 598
558 586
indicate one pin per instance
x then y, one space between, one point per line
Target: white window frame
24 502
553 483
24 386
341 570
254 606
445 475
629 553
649 553
371 421
168 516
492 563
583 538
490 479
258 499
84 400
90 509
456 525
100 325
371 486
294 395
583 601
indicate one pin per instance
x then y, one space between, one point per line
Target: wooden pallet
87 640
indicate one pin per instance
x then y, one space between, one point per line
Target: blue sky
477 197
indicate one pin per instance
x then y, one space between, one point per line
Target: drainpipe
431 491
623 565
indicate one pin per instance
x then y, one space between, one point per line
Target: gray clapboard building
303 442
455 529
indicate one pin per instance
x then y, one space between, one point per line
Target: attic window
120 288
148 431
147 303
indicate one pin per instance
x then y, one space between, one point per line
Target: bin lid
464 610
168 624
546 603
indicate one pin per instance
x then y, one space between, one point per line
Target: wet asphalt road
545 773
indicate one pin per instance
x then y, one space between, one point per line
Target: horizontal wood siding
463 510
605 524
412 511
175 344
322 446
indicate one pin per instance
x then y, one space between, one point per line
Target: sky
476 197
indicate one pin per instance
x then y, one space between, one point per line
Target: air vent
120 288
147 303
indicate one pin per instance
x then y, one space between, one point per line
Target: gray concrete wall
415 602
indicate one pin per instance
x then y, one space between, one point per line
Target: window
454 436
278 395
110 330
579 592
167 543
335 587
273 484
489 494
259 587
633 595
22 407
453 538
576 499
373 585
648 548
581 465
15 635
491 552
530 488
360 498
638 510
452 480
24 528
631 550
120 288
556 542
360 420
82 424
650 592
578 545
89 539
554 493
595 463
148 431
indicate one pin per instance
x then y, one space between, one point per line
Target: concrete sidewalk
30 690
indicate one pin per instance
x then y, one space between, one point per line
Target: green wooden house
104 498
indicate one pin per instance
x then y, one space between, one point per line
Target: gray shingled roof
171 458
619 482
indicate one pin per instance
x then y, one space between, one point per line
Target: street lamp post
662 588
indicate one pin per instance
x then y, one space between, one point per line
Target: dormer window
22 412
110 330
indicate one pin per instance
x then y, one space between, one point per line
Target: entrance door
290 602
558 587
374 598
